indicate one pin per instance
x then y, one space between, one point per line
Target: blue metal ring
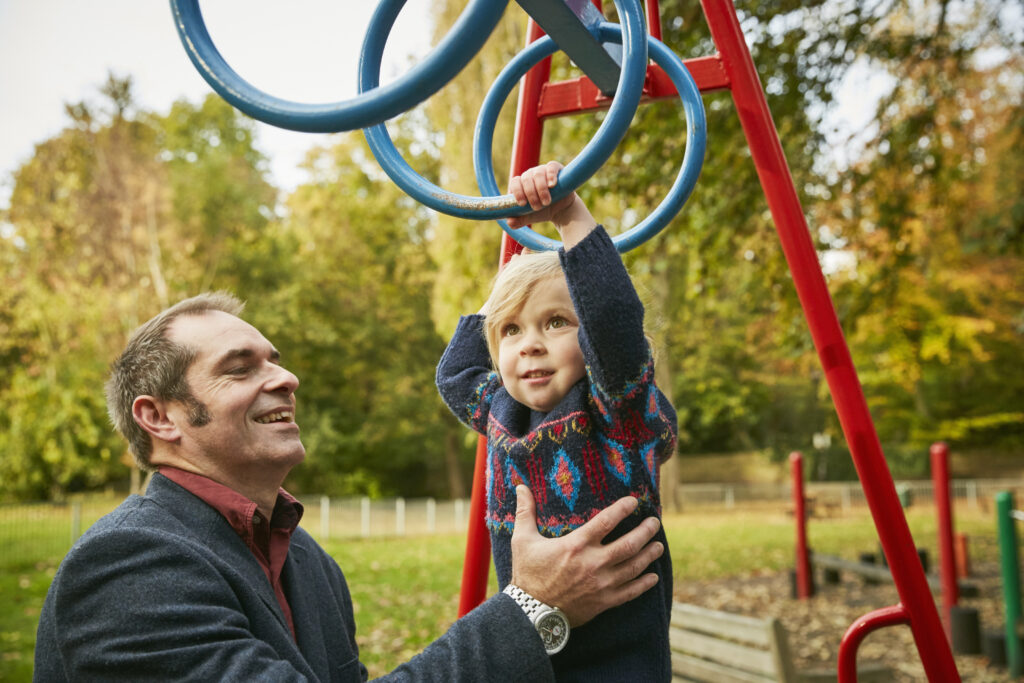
462 42
633 35
693 159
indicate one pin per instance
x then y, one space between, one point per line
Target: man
208 577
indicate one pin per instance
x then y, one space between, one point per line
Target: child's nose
532 345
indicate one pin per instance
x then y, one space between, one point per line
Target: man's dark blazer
162 588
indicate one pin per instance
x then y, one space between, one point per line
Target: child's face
539 354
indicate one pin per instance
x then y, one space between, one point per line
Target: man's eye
240 370
509 330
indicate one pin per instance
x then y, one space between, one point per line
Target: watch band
530 604
551 623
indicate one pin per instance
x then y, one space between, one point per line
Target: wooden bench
719 647
881 573
818 507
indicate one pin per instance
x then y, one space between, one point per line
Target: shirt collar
238 510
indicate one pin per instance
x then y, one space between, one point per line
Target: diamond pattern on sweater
564 478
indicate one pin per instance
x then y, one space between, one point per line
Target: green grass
717 544
406 590
35 539
21 593
405 593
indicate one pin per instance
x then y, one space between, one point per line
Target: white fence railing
327 518
30 532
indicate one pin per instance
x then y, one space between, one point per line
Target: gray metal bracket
573 24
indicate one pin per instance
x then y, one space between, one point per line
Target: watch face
554 631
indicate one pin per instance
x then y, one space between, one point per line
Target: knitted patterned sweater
604 440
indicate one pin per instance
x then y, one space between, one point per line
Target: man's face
249 419
539 354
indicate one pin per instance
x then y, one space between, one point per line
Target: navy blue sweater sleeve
464 376
618 358
611 315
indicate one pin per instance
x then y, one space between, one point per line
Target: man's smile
278 416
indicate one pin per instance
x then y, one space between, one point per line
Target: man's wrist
550 622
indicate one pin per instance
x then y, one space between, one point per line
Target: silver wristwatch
550 622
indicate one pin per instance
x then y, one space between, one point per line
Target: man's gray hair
153 365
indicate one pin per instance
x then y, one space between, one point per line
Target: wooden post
364 509
400 516
325 518
76 521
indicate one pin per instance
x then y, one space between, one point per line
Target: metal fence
326 518
43 532
40 532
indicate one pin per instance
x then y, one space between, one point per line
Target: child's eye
557 322
509 330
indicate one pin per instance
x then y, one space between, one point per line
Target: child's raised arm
570 215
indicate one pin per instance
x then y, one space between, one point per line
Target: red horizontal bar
579 94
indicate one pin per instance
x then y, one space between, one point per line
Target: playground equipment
1009 562
804 578
465 39
681 187
730 68
961 624
949 555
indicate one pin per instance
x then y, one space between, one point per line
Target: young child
571 411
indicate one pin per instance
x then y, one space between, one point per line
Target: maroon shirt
267 541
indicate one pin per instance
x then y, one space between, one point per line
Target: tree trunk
669 483
452 446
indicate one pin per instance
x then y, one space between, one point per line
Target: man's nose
282 380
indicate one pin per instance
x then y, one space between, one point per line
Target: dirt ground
816 626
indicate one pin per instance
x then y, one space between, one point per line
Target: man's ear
151 414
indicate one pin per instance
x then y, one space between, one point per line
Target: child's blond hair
511 288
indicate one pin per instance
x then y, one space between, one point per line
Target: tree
353 320
80 213
92 250
466 252
930 218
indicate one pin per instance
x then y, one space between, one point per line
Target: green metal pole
1010 563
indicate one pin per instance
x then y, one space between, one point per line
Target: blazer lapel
211 529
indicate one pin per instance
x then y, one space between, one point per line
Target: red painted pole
804 589
854 417
944 513
653 19
963 558
478 543
861 629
